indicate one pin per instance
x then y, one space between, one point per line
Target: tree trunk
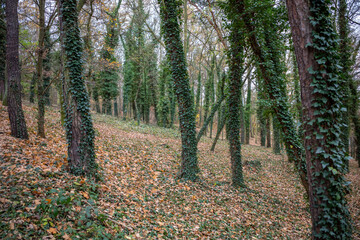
274 85
171 31
345 74
276 133
236 61
316 50
248 112
220 128
2 49
210 118
39 71
16 114
268 132
79 127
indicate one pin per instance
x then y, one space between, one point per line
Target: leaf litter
139 195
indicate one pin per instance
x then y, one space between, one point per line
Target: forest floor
139 196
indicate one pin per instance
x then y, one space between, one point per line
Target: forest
180 119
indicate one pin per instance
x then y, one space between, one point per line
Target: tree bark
268 132
175 53
321 115
2 49
236 61
16 114
39 71
79 127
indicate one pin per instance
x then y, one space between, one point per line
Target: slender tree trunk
354 108
210 118
175 52
116 110
39 71
345 74
315 48
16 114
248 112
219 129
79 126
32 88
2 49
268 132
242 119
276 133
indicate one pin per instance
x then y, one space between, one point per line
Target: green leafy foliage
328 164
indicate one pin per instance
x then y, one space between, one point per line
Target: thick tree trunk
175 52
321 115
236 61
79 127
16 114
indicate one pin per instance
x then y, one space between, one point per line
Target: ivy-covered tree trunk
2 50
221 125
236 61
47 67
78 124
267 57
316 54
169 13
353 109
276 134
16 114
345 74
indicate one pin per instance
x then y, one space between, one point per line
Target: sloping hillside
139 196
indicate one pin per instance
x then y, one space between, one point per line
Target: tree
248 112
350 88
268 57
108 78
16 114
78 124
169 13
235 61
2 50
316 48
39 71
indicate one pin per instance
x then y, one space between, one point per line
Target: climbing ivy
235 62
263 39
107 80
170 16
78 124
166 100
331 218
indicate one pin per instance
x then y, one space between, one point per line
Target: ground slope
139 196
